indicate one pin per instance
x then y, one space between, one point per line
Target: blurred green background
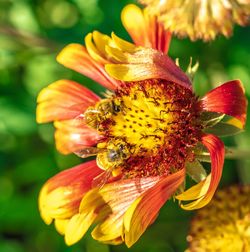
32 32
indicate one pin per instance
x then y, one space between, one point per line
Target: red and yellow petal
228 99
61 195
74 135
126 191
144 29
62 100
109 202
203 192
145 209
145 63
76 57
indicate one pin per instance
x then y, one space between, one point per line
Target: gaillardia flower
200 19
223 225
147 134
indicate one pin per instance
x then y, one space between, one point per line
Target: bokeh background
32 32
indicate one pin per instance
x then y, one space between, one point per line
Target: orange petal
62 100
76 57
74 135
146 63
145 29
61 195
228 99
126 191
144 209
204 191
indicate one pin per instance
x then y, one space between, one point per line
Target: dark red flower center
149 128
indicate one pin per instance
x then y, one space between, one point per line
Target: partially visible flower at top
202 19
224 224
147 134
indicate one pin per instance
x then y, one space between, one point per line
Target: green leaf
209 119
201 153
223 129
191 70
196 171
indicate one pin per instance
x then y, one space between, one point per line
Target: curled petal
203 192
93 50
146 63
144 29
228 99
61 195
76 57
145 209
62 100
74 135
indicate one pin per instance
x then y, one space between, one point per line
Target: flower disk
224 224
148 127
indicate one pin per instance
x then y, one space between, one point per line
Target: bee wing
104 178
88 152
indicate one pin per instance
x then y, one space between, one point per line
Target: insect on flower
147 135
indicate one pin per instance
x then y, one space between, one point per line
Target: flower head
147 134
224 223
200 19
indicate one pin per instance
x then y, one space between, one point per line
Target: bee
102 110
110 157
116 152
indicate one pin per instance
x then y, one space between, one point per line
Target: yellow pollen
224 225
145 120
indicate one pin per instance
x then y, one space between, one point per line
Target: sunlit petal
145 29
145 208
61 195
228 99
62 100
76 57
202 192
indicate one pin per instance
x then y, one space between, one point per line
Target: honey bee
116 151
101 111
110 157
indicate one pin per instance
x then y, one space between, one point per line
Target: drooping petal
78 226
203 192
228 99
60 225
76 57
62 100
145 209
109 202
145 63
66 101
144 29
74 135
126 192
61 195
